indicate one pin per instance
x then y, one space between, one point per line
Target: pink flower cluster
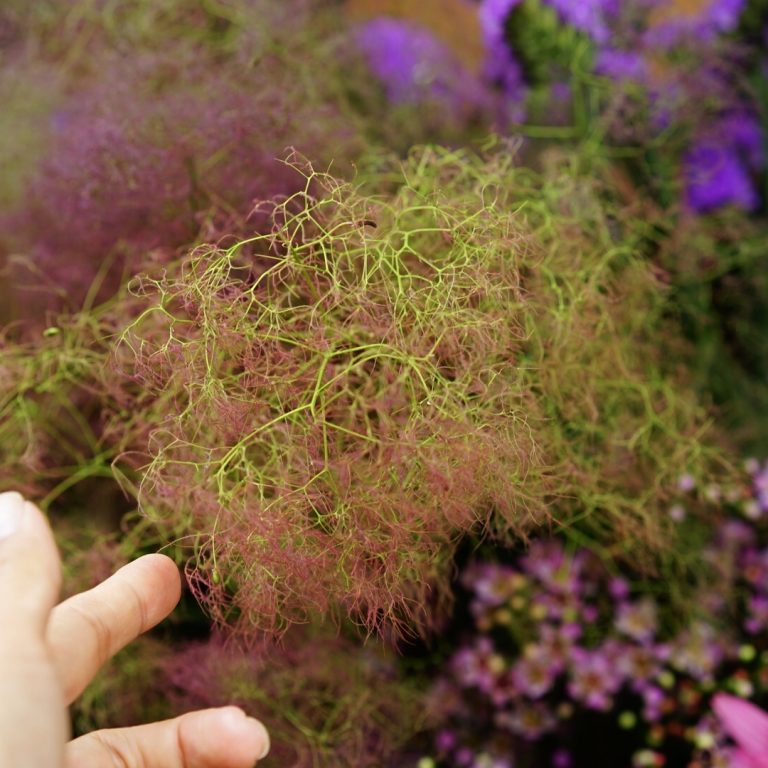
561 647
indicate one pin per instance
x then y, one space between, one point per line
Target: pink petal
747 725
740 759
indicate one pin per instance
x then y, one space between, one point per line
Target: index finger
87 629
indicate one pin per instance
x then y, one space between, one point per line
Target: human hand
49 653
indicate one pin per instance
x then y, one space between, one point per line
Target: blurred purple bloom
724 15
757 621
621 65
721 163
698 651
736 532
640 665
548 562
478 665
557 643
653 699
594 678
718 17
760 486
716 176
619 588
503 689
501 67
445 740
531 721
535 673
492 584
637 620
590 16
412 63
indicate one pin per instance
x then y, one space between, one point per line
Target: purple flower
535 673
492 584
758 614
720 164
637 620
531 721
621 65
501 67
590 16
653 701
594 678
619 588
413 64
760 486
503 689
716 176
479 665
548 562
640 665
697 652
717 17
557 643
445 740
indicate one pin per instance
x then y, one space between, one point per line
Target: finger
30 569
211 738
33 724
89 628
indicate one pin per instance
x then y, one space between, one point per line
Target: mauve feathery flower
747 725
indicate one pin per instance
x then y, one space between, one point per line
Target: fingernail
11 511
265 751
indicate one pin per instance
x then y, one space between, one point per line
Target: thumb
33 730
30 569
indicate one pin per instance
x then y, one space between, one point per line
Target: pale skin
49 652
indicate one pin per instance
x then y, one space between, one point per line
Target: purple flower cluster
591 16
723 162
414 66
670 50
703 25
557 636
